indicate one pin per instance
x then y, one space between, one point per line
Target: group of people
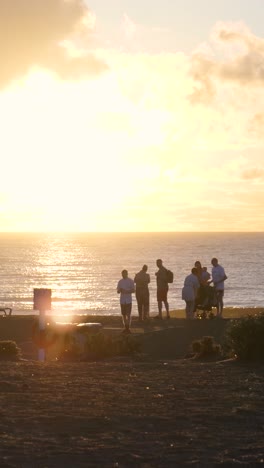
126 287
195 291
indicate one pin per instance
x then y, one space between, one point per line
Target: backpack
169 276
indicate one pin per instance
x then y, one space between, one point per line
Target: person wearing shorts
162 289
218 278
125 287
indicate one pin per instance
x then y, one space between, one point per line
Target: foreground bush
245 337
206 347
100 346
9 351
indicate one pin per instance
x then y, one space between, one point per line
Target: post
42 303
42 327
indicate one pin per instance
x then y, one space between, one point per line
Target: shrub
99 346
9 350
245 337
206 347
102 346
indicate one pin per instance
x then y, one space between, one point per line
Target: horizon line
132 232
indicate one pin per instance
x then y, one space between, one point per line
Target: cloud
256 126
137 37
254 173
129 28
241 62
202 69
37 33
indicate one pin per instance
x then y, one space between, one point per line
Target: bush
245 337
99 346
206 347
102 346
9 351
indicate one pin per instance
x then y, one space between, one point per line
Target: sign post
42 303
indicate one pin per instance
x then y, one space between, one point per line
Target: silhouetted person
203 277
125 287
162 288
189 292
142 280
218 278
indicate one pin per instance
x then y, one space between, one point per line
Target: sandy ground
154 410
131 413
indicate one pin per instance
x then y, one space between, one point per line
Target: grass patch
229 312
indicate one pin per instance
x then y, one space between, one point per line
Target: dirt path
163 339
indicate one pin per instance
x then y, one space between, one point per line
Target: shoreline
229 312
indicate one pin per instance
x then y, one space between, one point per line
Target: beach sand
154 409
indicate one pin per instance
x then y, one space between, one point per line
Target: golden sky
112 133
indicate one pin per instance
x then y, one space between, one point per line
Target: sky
132 115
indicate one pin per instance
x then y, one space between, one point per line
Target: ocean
82 269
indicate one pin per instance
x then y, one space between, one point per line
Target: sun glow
67 171
138 145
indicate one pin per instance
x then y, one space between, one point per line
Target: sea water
83 269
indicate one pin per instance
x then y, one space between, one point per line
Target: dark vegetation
245 337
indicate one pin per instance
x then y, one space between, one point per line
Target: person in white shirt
125 287
218 278
189 292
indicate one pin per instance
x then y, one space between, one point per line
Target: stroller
205 301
